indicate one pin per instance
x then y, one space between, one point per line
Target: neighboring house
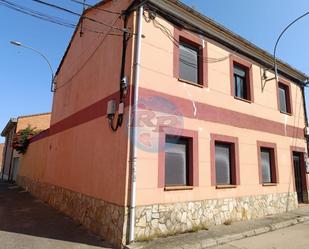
1 156
214 137
11 158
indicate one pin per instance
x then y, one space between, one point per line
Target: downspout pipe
10 177
4 156
305 113
133 128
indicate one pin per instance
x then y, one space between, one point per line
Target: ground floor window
224 161
176 161
267 163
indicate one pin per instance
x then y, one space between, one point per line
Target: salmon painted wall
1 155
158 81
9 151
40 122
81 152
33 163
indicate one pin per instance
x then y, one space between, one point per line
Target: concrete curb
207 243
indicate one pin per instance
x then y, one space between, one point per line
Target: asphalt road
27 223
294 237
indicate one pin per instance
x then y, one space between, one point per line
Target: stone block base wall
105 219
110 221
168 219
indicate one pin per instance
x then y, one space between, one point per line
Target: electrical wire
212 89
177 43
62 22
88 59
48 18
36 14
94 7
169 34
79 15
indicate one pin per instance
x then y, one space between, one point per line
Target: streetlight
276 45
53 83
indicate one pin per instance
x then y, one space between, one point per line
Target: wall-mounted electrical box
111 108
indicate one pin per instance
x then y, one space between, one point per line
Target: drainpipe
305 113
133 136
12 154
4 156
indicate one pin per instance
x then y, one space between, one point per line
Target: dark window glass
266 165
188 62
176 161
240 82
283 99
223 163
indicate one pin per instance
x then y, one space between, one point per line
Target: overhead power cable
77 14
92 6
69 80
36 14
171 37
48 18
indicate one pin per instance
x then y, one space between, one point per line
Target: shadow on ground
23 214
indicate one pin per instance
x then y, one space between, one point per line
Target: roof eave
12 122
183 12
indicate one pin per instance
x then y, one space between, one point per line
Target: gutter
133 129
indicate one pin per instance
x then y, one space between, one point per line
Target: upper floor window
284 98
188 58
189 68
241 79
240 82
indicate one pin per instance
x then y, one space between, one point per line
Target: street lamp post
276 45
53 82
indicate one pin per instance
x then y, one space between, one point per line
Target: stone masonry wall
110 221
105 219
168 219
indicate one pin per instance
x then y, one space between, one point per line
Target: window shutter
175 164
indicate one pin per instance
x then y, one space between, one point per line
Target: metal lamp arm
276 45
45 58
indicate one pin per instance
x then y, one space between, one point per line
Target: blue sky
25 78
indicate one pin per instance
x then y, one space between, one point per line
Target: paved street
295 237
27 223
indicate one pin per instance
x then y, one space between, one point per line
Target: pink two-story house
163 122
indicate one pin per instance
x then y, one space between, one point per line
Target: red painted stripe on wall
85 115
205 112
220 115
41 135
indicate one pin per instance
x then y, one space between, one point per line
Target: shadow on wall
23 214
